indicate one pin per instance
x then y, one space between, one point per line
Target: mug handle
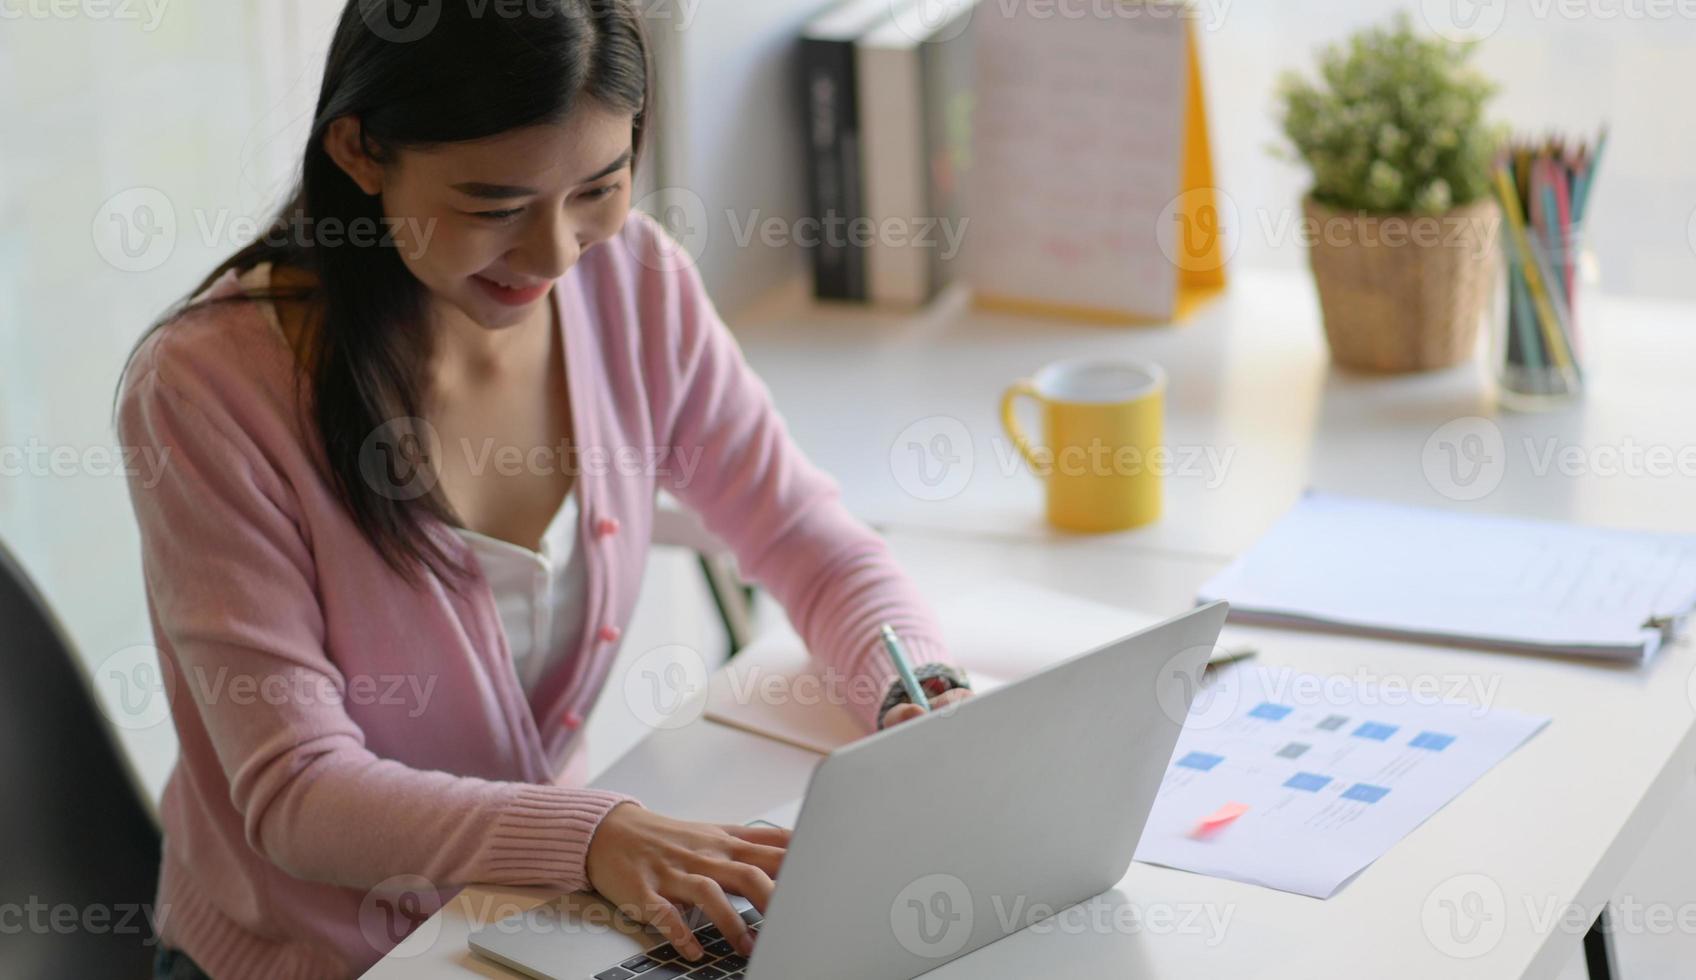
1010 419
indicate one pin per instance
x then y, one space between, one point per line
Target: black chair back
79 849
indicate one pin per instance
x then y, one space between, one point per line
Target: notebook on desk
1450 577
1001 633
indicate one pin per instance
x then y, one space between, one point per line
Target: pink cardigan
353 749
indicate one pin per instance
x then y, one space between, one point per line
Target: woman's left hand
907 712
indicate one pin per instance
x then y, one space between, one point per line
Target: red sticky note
1219 819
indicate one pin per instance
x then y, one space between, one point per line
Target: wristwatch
935 679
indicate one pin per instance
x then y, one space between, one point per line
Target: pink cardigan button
573 720
607 527
610 634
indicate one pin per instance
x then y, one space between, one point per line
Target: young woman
379 642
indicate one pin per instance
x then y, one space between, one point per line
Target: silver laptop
922 843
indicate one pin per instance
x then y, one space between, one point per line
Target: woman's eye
499 215
600 192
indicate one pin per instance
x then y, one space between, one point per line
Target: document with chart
1297 781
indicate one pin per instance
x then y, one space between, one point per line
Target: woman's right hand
649 865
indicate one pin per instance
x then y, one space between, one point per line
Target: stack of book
888 88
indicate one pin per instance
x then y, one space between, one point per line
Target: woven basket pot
1403 292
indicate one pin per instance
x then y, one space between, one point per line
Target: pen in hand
898 656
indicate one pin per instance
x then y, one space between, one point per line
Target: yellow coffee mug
1101 455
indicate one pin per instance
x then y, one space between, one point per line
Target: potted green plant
1400 221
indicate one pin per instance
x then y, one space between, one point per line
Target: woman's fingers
705 894
900 713
950 696
663 915
767 859
907 712
746 880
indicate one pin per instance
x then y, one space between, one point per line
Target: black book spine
833 154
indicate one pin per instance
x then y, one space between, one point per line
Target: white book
912 71
1449 577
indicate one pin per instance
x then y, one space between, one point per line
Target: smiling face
488 226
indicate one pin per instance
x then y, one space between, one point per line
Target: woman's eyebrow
501 192
494 192
612 167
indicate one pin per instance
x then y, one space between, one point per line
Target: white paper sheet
1327 774
1490 581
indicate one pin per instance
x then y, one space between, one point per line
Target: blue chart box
1365 793
1435 741
1269 711
1310 781
1200 760
1375 731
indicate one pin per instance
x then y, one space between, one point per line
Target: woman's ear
342 142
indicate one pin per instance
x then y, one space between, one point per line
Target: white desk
1552 828
1249 377
1555 825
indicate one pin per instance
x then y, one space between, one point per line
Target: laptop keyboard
722 962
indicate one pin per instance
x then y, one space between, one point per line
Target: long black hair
415 75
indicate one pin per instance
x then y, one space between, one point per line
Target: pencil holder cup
1537 339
